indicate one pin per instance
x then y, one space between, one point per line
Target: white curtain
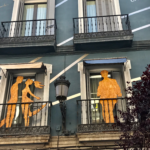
41 14
91 12
28 15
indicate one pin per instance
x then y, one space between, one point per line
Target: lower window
103 108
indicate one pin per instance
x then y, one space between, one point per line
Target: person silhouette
25 99
13 99
107 89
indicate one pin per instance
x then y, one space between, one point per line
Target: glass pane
28 15
41 14
91 11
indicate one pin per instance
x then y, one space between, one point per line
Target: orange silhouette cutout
12 108
108 88
25 107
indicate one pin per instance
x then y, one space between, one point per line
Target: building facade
41 40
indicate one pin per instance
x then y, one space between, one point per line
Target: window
33 18
34 12
118 69
94 10
36 72
21 6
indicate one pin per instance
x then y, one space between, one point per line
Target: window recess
91 105
99 16
33 19
36 72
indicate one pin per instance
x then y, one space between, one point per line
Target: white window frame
50 11
127 78
16 8
116 11
3 73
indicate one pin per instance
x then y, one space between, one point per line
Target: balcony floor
33 130
103 40
27 45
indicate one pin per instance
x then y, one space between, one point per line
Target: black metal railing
28 28
101 24
99 114
25 118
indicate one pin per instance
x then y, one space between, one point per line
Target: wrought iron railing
27 28
99 114
102 24
25 118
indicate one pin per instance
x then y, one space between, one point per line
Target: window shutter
6 84
9 85
88 95
118 77
106 8
80 14
84 8
18 16
100 8
121 104
21 10
50 15
39 118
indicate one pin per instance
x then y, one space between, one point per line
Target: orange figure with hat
107 89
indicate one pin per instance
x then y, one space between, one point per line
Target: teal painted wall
6 7
67 11
139 60
139 19
64 17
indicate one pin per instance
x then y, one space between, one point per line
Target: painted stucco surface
6 7
64 16
139 59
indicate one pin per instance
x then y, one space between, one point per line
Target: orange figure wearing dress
12 108
108 88
25 99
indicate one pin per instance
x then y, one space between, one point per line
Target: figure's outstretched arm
33 94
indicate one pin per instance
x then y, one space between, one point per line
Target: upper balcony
28 36
102 32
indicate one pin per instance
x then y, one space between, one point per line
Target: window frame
83 87
3 85
50 5
82 11
35 9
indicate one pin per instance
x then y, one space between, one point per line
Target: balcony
25 119
98 115
28 36
102 32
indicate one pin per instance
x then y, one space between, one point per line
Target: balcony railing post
129 27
